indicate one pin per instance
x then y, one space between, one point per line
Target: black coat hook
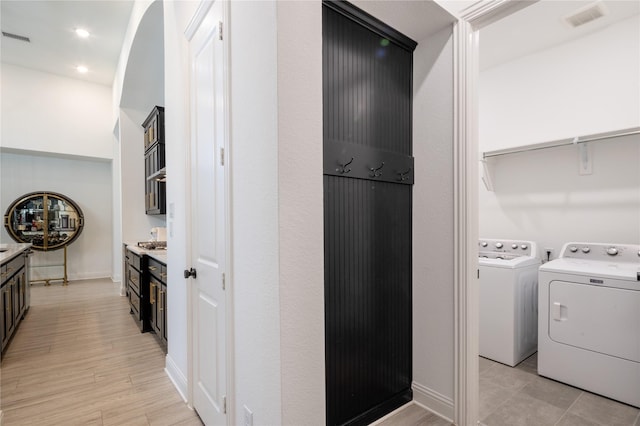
404 175
376 172
343 167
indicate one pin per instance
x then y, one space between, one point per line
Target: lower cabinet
146 287
136 291
13 295
158 299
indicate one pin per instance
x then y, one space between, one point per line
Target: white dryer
589 322
508 297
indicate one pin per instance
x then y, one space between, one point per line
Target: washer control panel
602 251
512 247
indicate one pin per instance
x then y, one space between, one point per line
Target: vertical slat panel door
368 177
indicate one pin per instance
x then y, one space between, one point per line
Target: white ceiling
415 19
54 47
541 26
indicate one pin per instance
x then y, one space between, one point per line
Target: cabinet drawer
14 266
132 259
133 277
134 301
157 269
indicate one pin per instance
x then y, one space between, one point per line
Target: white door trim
466 181
189 32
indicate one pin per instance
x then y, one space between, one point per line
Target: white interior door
208 236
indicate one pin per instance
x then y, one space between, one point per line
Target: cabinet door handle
152 268
152 292
161 300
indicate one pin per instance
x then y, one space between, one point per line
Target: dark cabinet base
147 294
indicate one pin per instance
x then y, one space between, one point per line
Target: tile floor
518 396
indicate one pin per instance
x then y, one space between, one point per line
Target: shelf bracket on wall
486 175
584 157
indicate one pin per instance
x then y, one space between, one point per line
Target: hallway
79 359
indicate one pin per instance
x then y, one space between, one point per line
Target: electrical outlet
248 416
548 254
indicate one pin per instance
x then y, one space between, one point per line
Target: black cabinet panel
154 162
368 177
367 86
367 294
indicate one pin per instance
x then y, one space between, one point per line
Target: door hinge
219 30
224 281
222 156
224 404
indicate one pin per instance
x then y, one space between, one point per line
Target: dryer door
595 318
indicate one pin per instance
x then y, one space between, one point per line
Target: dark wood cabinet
146 287
136 291
154 162
14 296
158 299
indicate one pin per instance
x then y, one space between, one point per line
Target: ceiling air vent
16 36
586 14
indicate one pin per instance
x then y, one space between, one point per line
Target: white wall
136 225
252 157
116 209
254 169
176 92
275 156
137 13
586 86
88 183
48 113
300 192
433 227
540 196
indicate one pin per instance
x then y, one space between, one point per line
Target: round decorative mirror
47 220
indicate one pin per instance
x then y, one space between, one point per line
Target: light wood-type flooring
79 359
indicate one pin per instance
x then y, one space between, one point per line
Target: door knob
189 273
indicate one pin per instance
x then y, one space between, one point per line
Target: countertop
159 255
12 251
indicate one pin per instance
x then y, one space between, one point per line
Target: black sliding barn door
368 177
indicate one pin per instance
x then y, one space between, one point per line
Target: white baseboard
433 401
89 275
176 376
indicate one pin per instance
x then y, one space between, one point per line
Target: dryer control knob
514 246
573 249
612 251
499 245
524 247
483 244
586 249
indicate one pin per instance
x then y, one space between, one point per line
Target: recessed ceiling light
82 33
82 69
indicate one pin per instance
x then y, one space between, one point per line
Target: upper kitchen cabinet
154 162
47 220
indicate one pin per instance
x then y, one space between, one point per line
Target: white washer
589 323
508 300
